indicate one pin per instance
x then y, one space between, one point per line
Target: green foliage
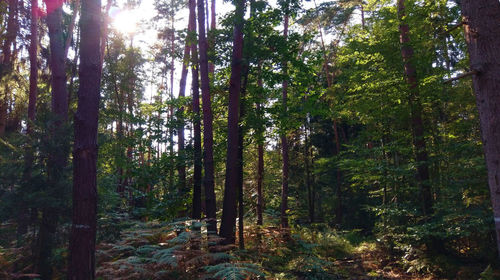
234 271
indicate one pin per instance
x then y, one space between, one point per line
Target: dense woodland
345 139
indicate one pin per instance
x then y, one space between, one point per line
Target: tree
7 60
195 84
483 38
58 158
284 140
232 171
208 139
417 126
83 230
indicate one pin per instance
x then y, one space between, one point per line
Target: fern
234 271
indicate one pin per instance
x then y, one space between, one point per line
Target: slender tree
232 175
181 166
482 34
83 230
197 177
58 158
417 126
6 60
284 140
208 138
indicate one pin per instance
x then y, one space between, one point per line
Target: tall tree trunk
33 94
195 84
260 152
6 62
284 140
172 72
483 38
83 230
181 165
240 162
417 126
58 158
208 138
213 24
232 175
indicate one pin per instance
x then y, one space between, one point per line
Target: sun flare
125 21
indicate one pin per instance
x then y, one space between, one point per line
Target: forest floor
134 250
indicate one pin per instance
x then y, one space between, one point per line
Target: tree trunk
211 65
7 62
58 158
208 139
483 38
196 123
83 230
232 175
284 141
33 94
417 126
181 165
260 153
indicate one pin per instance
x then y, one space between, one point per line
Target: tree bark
232 175
415 105
284 140
195 84
482 34
83 230
208 139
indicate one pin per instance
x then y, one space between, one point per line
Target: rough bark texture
415 105
83 230
232 175
284 141
482 32
208 138
195 84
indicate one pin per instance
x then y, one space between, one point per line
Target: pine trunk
181 165
195 84
83 230
208 138
58 158
232 175
482 34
